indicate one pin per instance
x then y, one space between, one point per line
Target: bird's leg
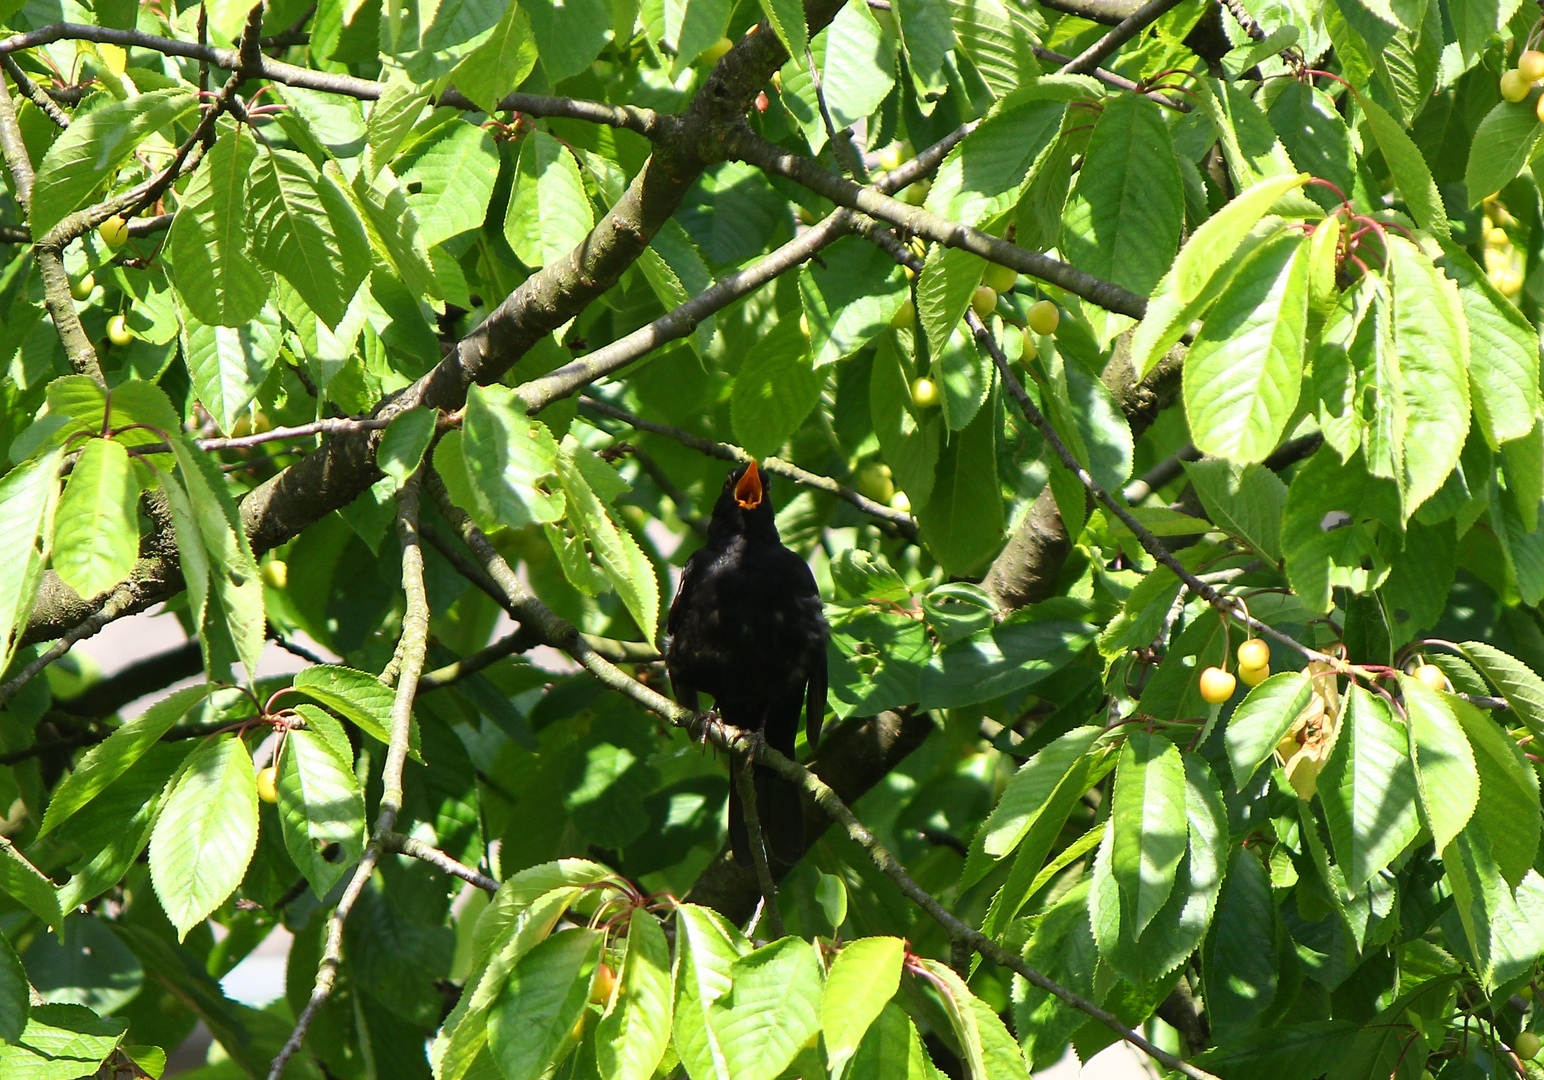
745 779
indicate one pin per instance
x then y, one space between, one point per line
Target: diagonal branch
1128 28
411 649
745 145
739 743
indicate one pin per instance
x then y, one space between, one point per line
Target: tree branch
726 452
47 105
413 645
743 144
417 849
1128 28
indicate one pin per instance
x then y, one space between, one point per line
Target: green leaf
1368 789
1502 927
855 60
927 36
849 296
500 63
96 535
28 884
1508 808
450 177
95 146
236 586
1244 371
771 1010
320 805
1123 220
212 264
510 457
964 374
787 20
15 993
863 977
1176 300
1513 680
29 495
632 1037
569 35
1444 761
61 1042
404 442
998 40
1289 1052
948 280
1397 1034
390 120
549 214
1239 965
706 948
621 559
957 1000
962 522
1062 948
1338 522
1150 828
1028 792
206 832
229 364
774 390
543 997
1018 652
892 1049
394 232
1501 147
110 759
355 695
1503 352
1262 720
1410 170
1432 342
306 230
982 176
1246 502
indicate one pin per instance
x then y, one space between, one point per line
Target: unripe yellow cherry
1253 676
984 301
114 231
268 784
1530 65
999 277
1217 685
1044 317
81 290
1254 653
1538 107
1513 86
1527 1045
904 315
1432 676
924 393
605 981
118 331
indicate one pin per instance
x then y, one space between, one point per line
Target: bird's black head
744 507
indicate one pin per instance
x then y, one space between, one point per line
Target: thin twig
1225 605
417 849
1128 28
118 602
745 781
519 641
415 642
727 452
32 91
1110 78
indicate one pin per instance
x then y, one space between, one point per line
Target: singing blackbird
746 626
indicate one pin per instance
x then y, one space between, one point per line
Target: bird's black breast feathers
747 627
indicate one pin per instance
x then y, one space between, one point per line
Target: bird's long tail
778 808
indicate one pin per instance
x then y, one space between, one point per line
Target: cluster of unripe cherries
1516 82
114 232
1044 317
1254 667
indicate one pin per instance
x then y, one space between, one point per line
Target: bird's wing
815 696
688 585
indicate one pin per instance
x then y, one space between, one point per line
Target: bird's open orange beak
748 491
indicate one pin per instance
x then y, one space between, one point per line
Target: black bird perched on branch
746 626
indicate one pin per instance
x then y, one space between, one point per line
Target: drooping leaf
212 264
206 832
863 977
321 808
1150 828
1444 761
96 537
633 1035
1261 720
29 495
1368 789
